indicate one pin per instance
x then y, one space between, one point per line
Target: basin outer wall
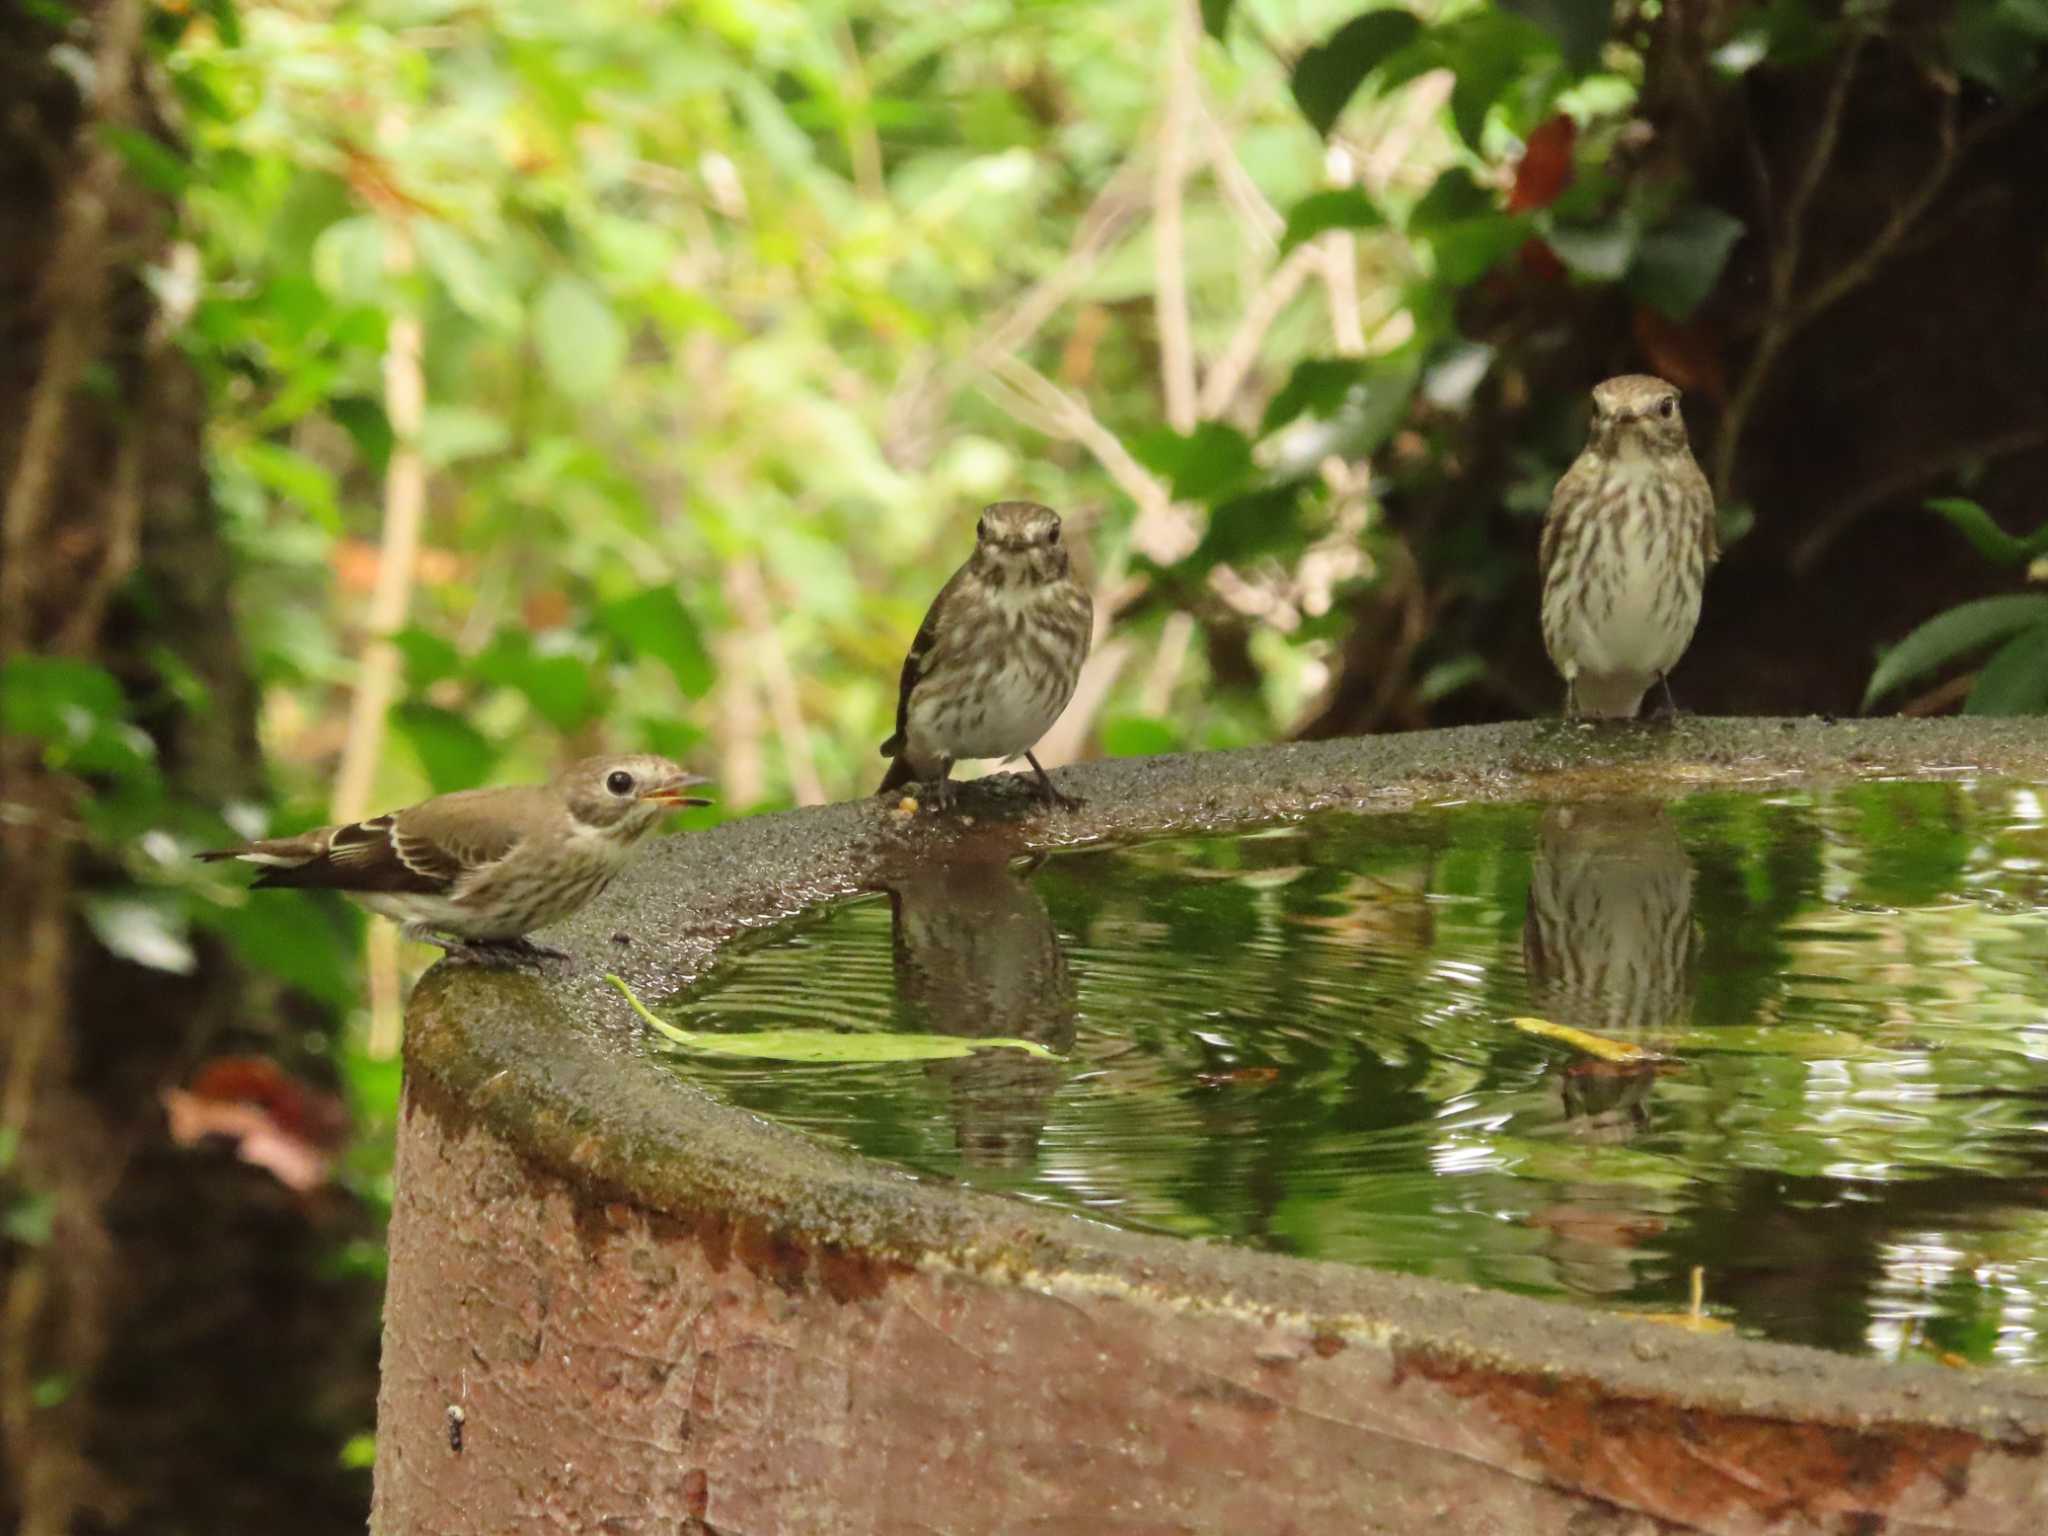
616 1306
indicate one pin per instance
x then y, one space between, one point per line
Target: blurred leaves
1329 74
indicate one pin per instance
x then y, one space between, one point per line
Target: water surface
1304 1040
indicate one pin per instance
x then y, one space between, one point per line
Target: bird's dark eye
1053 537
619 782
981 530
1667 407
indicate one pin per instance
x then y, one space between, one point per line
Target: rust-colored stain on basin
616 1306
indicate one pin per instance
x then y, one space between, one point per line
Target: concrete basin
618 1306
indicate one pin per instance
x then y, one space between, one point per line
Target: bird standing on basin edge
1627 544
997 656
478 870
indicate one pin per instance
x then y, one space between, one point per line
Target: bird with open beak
478 870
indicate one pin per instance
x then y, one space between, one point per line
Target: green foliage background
729 316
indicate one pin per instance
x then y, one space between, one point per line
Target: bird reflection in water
1608 947
976 954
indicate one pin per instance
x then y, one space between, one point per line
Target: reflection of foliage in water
1299 1039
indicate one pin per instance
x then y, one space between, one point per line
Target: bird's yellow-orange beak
670 792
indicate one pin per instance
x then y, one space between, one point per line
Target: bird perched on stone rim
478 870
997 656
1627 544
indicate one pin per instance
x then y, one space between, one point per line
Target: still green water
1303 1040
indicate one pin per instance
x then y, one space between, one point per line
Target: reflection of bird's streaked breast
1608 939
976 953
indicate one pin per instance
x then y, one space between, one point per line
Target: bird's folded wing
917 664
426 850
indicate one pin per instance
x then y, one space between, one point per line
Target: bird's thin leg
939 791
1669 709
533 949
1064 801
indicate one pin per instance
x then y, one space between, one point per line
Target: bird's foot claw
512 953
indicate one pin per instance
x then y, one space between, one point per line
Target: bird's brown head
1019 542
1636 415
625 796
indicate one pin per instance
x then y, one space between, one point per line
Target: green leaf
142 931
1329 74
1601 252
1137 736
1486 51
348 260
1212 461
1579 26
1245 526
1678 262
473 284
303 482
428 658
78 712
452 753
1317 387
655 623
582 344
1985 536
306 939
1464 228
1955 633
452 433
1339 208
1216 17
825 1045
1996 42
153 164
2015 680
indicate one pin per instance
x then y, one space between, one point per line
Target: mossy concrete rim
559 1067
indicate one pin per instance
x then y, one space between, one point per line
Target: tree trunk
173 1301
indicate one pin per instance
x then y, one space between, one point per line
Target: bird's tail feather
899 774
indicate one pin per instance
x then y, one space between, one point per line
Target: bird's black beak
670 793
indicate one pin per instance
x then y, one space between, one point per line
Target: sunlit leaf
1954 634
452 433
582 344
1137 736
1329 74
142 931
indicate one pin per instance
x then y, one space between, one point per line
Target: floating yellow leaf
1580 1040
825 1045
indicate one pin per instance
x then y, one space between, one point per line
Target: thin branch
1169 239
405 502
863 146
1784 268
748 593
1158 530
1114 206
1228 373
1897 482
1263 222
405 499
1340 268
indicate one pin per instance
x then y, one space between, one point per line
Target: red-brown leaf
1545 168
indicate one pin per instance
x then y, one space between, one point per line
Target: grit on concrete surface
556 1066
559 1064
